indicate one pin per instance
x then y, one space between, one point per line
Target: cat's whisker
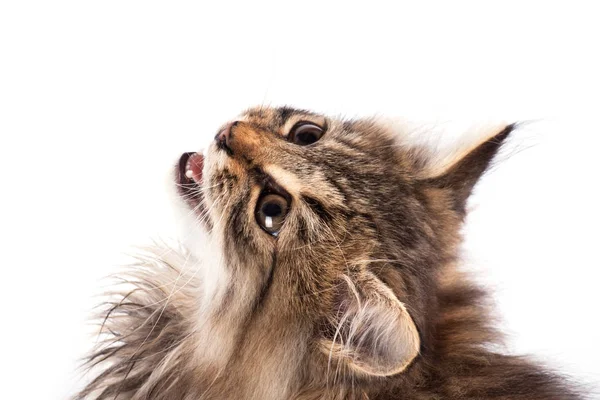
200 221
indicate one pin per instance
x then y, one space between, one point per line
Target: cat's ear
373 333
460 171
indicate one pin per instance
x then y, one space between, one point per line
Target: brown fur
359 297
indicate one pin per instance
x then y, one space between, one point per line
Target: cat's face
328 232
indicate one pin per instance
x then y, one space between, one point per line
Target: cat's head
331 235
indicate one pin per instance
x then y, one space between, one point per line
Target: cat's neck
240 346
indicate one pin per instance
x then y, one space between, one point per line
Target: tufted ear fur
374 335
462 171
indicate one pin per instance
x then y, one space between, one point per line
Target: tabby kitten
320 263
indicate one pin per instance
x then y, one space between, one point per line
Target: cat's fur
359 297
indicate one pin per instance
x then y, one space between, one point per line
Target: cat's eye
271 211
305 133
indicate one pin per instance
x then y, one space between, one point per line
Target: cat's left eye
270 212
305 133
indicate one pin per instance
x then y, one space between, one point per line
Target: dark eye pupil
272 209
306 138
305 133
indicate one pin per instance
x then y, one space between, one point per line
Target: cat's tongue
193 167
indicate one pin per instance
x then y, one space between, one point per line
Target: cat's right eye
270 212
305 133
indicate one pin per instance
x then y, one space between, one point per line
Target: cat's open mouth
189 178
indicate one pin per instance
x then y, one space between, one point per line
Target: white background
98 99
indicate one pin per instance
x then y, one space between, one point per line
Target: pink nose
224 137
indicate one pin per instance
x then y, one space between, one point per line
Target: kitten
320 263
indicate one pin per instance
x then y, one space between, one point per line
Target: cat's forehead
280 119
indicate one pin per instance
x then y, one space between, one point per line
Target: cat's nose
241 139
224 137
